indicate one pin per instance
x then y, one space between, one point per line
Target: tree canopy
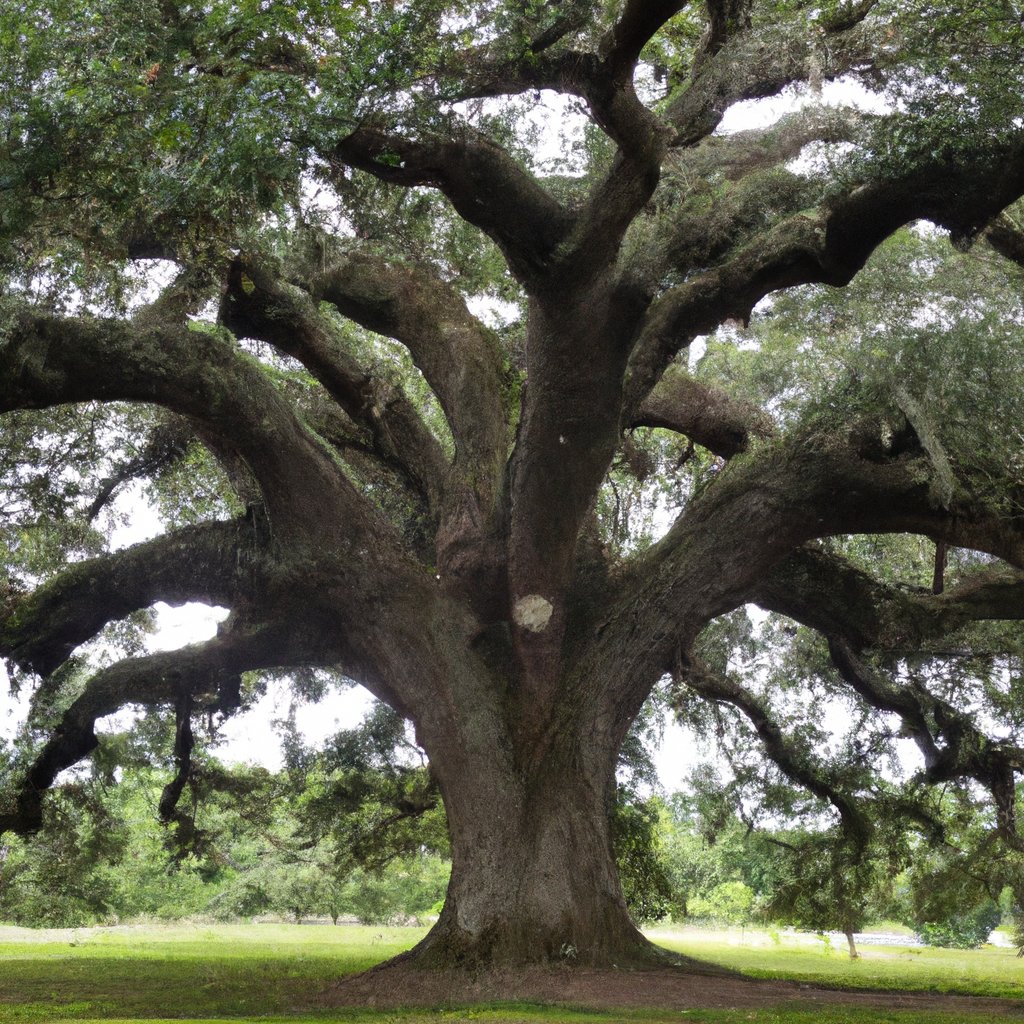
470 353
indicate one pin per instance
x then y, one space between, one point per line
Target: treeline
367 841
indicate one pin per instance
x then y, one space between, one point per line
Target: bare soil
668 989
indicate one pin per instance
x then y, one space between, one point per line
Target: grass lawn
990 971
274 973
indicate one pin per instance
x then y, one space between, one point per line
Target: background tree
825 884
384 472
960 887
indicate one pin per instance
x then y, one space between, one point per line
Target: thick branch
847 15
637 25
726 19
829 247
50 360
768 507
613 204
540 238
749 65
738 154
258 306
568 433
641 137
689 232
459 357
1006 238
830 594
209 563
709 417
855 612
484 184
210 672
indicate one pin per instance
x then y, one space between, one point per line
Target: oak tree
397 369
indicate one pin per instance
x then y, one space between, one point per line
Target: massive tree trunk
533 876
533 871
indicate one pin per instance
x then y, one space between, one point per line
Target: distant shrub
962 931
727 903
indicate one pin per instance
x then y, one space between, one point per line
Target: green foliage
918 323
53 879
368 795
962 931
820 878
343 835
354 830
170 119
639 857
47 463
727 903
710 864
408 892
824 882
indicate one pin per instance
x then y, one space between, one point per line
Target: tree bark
542 885
533 873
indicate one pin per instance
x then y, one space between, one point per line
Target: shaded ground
614 989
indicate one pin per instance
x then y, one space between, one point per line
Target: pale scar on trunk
532 612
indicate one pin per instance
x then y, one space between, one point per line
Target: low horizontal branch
209 672
210 563
708 417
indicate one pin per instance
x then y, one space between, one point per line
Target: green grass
987 972
274 974
201 972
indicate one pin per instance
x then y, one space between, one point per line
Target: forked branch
50 360
257 305
487 187
459 357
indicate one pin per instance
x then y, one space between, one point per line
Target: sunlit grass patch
989 971
157 971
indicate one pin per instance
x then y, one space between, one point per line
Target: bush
727 903
404 891
962 931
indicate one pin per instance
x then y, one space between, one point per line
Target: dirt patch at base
665 989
